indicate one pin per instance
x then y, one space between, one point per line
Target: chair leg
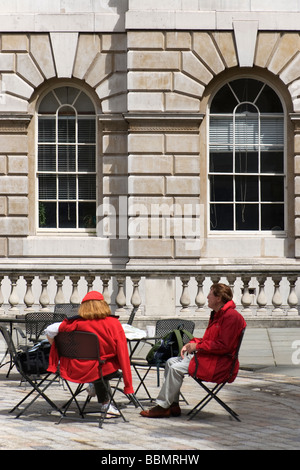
111 392
211 394
142 382
73 398
40 392
135 400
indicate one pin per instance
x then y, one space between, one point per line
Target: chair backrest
132 315
81 345
68 309
165 326
236 354
9 341
11 348
36 322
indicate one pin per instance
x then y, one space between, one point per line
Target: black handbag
35 360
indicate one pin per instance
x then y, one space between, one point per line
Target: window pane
272 162
246 188
47 129
271 132
246 132
66 158
87 187
46 158
221 188
67 187
87 214
224 101
221 131
247 217
47 187
86 158
47 214
268 101
66 94
272 217
49 104
272 188
246 162
86 130
66 129
221 216
221 162
67 214
246 89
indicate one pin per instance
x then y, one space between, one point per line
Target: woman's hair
223 291
92 309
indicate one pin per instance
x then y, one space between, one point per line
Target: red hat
92 295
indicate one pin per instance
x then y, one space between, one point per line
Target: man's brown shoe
175 409
157 412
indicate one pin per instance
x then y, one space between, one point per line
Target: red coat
216 348
113 349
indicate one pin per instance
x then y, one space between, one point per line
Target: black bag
170 346
35 360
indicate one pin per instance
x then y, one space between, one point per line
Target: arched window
66 167
246 158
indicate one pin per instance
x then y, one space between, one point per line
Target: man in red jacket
209 357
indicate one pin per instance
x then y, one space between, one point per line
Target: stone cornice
14 123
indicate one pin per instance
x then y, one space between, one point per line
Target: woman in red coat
210 356
94 316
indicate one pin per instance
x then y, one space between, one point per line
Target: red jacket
113 349
215 350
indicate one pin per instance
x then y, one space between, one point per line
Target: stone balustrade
260 296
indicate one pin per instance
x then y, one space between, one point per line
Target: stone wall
151 88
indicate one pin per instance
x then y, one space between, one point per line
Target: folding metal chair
69 309
162 328
132 315
38 383
37 322
212 393
83 346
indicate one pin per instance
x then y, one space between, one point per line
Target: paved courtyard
265 394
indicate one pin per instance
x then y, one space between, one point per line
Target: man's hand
188 348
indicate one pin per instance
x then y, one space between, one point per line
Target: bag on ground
35 360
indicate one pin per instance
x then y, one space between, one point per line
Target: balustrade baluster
135 297
246 299
200 297
277 299
120 297
292 298
13 298
44 297
90 279
185 298
59 297
1 295
261 298
28 298
105 291
231 278
74 299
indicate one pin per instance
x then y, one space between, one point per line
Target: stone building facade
153 77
